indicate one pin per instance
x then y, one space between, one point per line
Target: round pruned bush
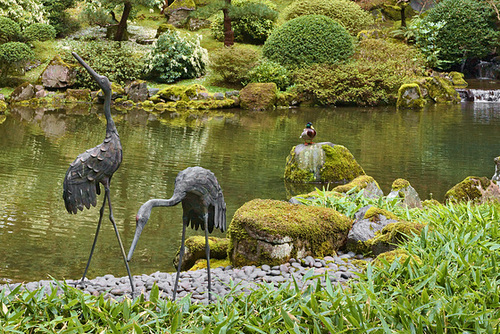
232 64
307 40
14 55
115 60
175 57
469 30
348 13
9 30
39 32
252 21
269 71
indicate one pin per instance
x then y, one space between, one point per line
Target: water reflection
433 149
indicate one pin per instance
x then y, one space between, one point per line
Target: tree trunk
228 31
122 26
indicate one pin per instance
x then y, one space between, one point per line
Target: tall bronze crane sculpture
202 205
95 167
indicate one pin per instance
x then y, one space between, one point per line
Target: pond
434 149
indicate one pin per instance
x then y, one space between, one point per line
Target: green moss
117 89
440 90
195 250
359 183
410 96
457 79
77 95
340 165
399 184
293 173
468 190
3 106
373 214
202 264
314 227
181 4
398 254
397 233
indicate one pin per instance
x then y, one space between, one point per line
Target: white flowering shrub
174 57
24 12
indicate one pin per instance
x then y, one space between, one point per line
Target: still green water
434 149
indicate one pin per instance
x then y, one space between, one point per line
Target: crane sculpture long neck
152 203
110 124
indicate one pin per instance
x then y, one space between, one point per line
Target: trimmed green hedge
39 32
307 40
9 30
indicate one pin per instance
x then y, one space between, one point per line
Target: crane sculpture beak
87 67
138 231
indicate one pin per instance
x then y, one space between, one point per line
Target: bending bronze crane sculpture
202 205
94 167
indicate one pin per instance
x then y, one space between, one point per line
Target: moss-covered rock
195 250
366 182
271 232
259 96
163 28
214 263
410 96
398 254
77 95
471 188
393 235
457 79
402 189
58 74
3 106
181 93
321 162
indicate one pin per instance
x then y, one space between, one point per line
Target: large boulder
23 92
58 74
321 162
272 232
473 188
402 189
259 96
410 96
137 91
195 250
178 12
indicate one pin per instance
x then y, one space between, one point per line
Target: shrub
232 64
252 21
115 60
59 18
174 57
269 71
9 30
39 32
469 29
24 12
308 39
373 78
349 14
14 55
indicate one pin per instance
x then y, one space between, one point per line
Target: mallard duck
308 134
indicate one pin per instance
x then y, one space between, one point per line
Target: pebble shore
339 269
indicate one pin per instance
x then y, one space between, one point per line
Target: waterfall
479 95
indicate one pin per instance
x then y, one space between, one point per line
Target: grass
451 287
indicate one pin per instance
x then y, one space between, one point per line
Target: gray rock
137 91
26 91
58 74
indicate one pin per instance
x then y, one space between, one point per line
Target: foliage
426 35
373 78
118 61
232 64
175 57
269 71
444 281
14 54
59 18
348 13
24 12
9 30
252 21
308 39
39 32
461 37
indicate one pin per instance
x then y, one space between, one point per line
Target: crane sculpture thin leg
185 222
207 252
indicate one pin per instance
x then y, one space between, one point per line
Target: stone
401 188
473 188
410 96
321 162
58 74
137 91
23 92
195 250
259 96
370 187
271 232
178 12
78 95
197 24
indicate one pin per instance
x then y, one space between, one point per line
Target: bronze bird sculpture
203 206
94 167
308 134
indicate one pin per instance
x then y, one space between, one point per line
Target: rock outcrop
473 188
402 189
58 74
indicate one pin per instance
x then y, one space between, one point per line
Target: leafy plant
59 18
454 36
9 30
174 57
232 64
14 55
348 13
39 32
269 71
307 40
251 20
24 12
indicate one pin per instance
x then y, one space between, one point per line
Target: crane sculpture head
101 80
140 221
